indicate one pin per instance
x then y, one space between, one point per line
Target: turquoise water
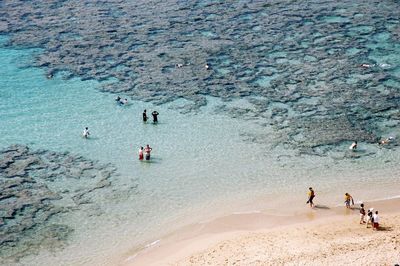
204 164
283 99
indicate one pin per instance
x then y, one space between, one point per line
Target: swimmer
118 99
347 199
366 65
179 65
385 141
207 67
353 146
86 133
144 116
141 153
155 114
50 76
147 151
124 101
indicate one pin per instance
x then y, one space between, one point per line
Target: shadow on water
90 138
152 123
152 161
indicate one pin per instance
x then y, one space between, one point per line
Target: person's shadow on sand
322 207
385 228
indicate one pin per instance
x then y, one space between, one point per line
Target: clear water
227 156
204 164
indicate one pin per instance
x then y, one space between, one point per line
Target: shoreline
187 245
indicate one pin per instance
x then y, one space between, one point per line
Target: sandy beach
321 236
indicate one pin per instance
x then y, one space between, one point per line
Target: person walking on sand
144 116
375 223
86 133
347 199
362 214
311 195
141 153
370 219
147 151
155 114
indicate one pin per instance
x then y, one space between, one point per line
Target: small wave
246 212
132 257
152 243
147 246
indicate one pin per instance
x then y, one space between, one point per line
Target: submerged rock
283 51
29 199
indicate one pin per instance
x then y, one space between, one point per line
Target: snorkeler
364 65
86 133
155 114
385 141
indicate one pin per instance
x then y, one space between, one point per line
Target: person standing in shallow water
86 133
155 114
144 116
147 151
348 199
141 153
353 146
311 195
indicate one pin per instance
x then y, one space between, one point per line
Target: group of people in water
372 218
121 101
154 114
383 141
144 153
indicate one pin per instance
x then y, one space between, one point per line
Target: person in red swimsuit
141 153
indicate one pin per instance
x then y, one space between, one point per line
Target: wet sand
319 236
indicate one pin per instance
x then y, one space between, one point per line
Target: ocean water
253 133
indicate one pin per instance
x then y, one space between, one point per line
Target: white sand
319 237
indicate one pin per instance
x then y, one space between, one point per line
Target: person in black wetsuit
155 114
144 116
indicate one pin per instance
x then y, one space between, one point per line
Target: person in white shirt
353 146
376 221
86 133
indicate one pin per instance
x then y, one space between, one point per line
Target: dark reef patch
35 186
283 51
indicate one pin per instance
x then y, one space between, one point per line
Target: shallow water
257 145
